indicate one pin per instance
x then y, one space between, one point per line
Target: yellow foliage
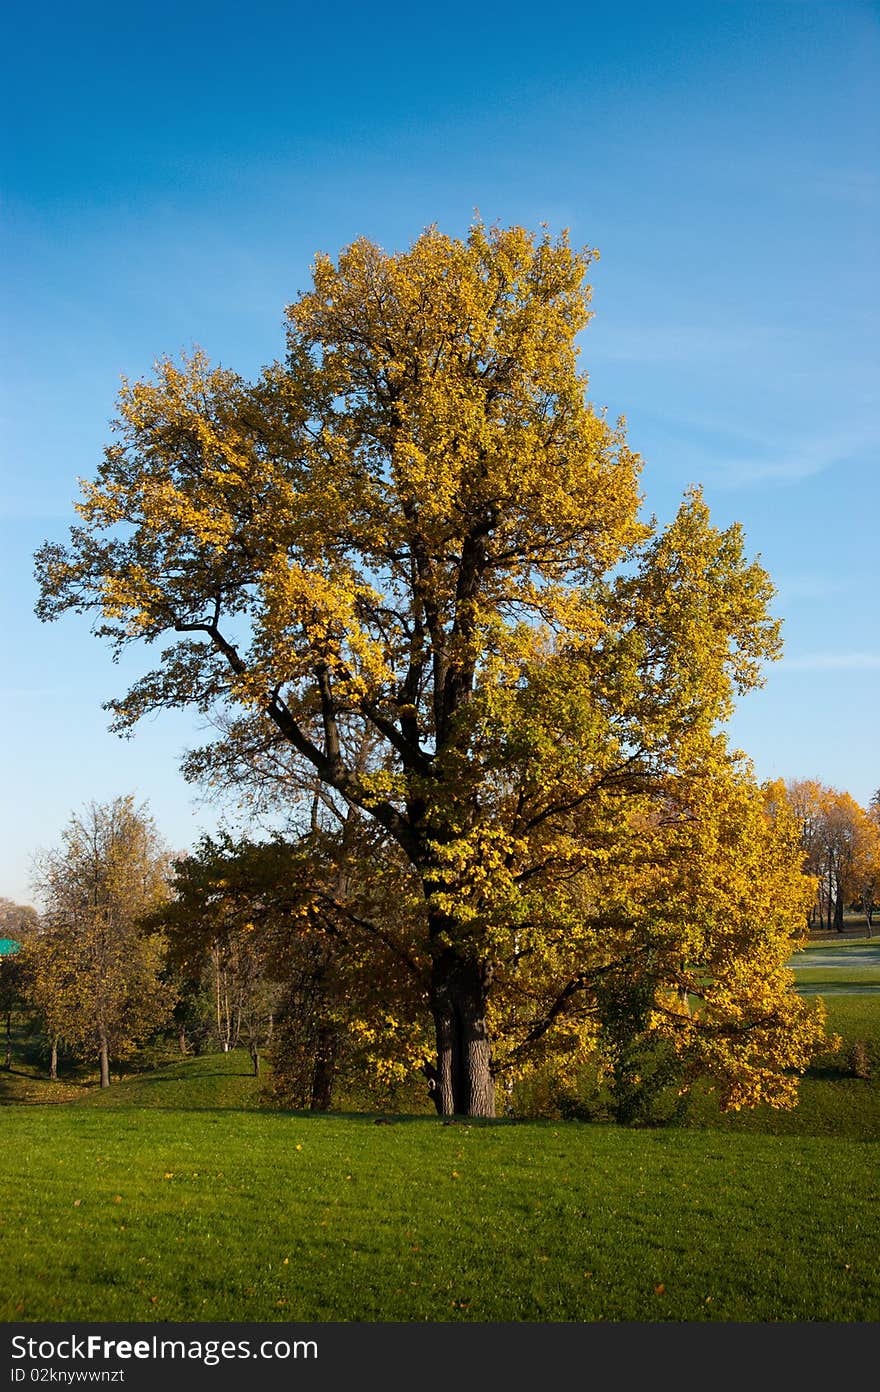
416 537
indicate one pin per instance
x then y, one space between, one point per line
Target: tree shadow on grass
374 1118
142 1079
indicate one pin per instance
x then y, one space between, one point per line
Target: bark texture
465 1084
323 1070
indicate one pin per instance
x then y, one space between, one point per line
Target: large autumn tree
415 535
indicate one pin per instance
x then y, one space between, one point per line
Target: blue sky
169 172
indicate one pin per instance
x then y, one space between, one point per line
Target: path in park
867 955
837 962
841 988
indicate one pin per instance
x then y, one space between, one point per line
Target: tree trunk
323 1069
432 1076
9 1039
53 1061
838 911
255 1060
464 1055
104 1055
181 1040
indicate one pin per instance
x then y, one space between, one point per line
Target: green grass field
832 1103
119 1213
174 1196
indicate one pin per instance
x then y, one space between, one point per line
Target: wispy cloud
848 185
670 342
814 586
27 693
811 457
33 509
832 662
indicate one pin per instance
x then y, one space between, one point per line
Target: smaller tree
18 924
95 974
841 847
194 1009
871 901
215 951
307 944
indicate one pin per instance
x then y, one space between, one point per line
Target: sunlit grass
175 1195
122 1213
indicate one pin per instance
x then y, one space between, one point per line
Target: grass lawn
832 1102
833 967
174 1196
120 1213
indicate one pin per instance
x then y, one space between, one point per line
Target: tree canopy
841 845
309 930
408 563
